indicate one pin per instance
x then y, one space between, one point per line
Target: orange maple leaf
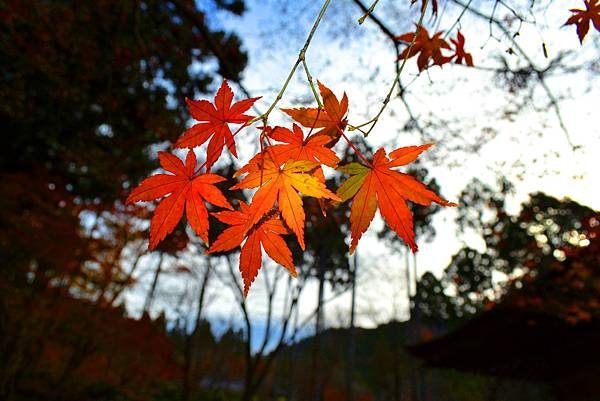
428 47
184 189
582 18
459 50
281 183
331 119
379 185
313 148
267 232
214 122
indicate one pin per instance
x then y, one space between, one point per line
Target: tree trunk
351 334
190 341
315 388
150 297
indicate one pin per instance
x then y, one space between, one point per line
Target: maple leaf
428 47
331 119
313 148
185 189
281 183
582 18
214 122
267 232
459 50
434 6
378 184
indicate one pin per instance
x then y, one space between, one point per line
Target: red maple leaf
266 233
428 47
214 122
582 18
379 185
459 50
332 118
434 6
184 189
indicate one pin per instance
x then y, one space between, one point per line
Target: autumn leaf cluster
288 167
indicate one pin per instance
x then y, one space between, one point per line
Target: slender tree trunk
292 396
408 287
414 326
189 379
315 387
351 334
150 296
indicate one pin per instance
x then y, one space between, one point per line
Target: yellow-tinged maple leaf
281 183
379 185
267 232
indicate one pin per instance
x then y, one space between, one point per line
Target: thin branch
375 20
264 117
242 302
124 283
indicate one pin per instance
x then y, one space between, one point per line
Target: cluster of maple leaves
282 173
430 48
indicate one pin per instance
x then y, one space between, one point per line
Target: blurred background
502 301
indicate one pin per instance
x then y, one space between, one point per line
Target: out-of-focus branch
539 73
392 37
214 48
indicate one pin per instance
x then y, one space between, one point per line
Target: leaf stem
312 85
356 128
354 148
310 132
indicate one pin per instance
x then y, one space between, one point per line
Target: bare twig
539 73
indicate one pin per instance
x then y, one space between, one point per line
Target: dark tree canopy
88 90
88 86
547 254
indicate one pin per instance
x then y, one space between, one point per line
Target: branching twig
538 72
